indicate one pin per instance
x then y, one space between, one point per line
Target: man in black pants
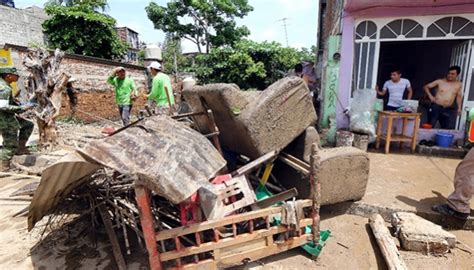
442 103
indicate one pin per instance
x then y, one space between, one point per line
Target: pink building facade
420 37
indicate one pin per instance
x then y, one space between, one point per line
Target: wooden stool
389 137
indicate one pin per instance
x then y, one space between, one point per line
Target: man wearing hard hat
15 131
161 93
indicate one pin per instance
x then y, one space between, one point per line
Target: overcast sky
264 22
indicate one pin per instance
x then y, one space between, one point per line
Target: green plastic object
262 193
471 114
311 248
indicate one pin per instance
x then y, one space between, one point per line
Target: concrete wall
22 26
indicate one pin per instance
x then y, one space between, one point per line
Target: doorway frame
366 79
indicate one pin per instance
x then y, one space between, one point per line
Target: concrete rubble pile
166 175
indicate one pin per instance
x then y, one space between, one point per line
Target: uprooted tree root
46 82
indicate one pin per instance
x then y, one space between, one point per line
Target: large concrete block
344 175
255 123
418 234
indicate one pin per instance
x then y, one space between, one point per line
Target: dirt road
395 180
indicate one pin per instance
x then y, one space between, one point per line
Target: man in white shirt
396 87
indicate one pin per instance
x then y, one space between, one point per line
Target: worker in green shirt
125 92
161 93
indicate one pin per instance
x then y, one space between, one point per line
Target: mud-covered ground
395 181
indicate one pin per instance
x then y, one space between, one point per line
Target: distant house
21 26
130 37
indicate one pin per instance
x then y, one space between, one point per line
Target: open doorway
420 62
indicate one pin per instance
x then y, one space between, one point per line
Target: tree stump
46 81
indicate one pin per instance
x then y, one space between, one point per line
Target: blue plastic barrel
444 139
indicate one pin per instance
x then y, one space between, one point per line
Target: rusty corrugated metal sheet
57 181
168 157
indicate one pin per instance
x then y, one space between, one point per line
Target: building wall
96 98
22 26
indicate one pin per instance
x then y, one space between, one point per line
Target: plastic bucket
444 139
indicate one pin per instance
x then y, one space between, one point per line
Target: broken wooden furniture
213 249
388 137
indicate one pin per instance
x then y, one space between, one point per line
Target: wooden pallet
218 243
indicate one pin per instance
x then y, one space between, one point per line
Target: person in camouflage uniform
15 130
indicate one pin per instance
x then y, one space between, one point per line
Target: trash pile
238 178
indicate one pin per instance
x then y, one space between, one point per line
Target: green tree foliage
249 64
207 23
79 29
94 4
173 58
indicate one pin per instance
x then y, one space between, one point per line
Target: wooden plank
242 247
386 243
20 176
208 264
296 160
256 254
283 196
207 225
229 242
142 195
253 164
104 213
294 165
398 138
179 116
315 182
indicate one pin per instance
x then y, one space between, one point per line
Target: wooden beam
148 226
104 213
252 165
294 165
386 243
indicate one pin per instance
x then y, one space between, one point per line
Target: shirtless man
442 102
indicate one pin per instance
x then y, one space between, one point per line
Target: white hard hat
72 79
155 65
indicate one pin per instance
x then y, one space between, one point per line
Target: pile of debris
214 187
411 233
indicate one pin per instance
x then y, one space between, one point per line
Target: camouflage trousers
13 130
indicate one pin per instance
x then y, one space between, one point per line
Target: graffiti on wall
332 82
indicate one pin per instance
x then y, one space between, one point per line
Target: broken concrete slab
418 234
255 123
386 243
344 174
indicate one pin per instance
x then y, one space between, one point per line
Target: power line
285 26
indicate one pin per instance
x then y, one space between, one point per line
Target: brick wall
96 98
22 26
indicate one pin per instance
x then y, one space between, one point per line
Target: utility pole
285 26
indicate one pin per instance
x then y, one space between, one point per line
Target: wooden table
389 137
